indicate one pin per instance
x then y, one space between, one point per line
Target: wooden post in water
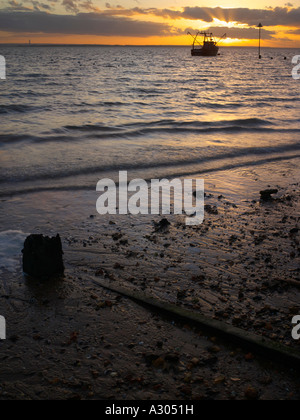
259 48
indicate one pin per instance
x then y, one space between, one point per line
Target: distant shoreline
135 46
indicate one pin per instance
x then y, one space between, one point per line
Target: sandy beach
149 307
71 339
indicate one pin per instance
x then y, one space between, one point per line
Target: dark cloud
239 33
13 5
31 5
89 5
295 32
279 16
40 6
109 6
80 24
84 18
74 6
70 6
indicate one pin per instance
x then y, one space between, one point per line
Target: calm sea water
72 115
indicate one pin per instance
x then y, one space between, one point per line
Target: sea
71 115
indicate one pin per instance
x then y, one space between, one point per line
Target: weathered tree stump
43 256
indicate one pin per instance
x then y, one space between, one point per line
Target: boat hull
212 52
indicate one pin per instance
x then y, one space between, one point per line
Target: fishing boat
208 48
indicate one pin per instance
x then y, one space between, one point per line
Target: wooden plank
254 342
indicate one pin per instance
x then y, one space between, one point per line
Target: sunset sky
148 22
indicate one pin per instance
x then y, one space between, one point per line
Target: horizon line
24 44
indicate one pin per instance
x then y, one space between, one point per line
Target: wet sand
70 339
